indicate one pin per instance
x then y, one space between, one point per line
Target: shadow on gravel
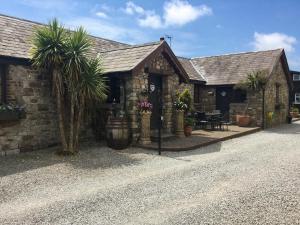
177 154
213 148
90 157
293 128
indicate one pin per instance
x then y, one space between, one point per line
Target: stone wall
39 129
274 115
252 107
139 81
279 111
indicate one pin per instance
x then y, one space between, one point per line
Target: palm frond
49 44
92 83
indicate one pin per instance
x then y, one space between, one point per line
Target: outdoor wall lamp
210 93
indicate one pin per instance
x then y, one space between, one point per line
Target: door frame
160 111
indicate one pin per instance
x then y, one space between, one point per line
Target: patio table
214 119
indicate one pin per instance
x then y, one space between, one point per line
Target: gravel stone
249 180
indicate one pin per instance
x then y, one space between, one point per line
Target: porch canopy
133 58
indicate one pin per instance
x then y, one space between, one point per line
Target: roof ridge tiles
237 53
44 24
132 46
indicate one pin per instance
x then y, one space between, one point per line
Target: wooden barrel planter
117 133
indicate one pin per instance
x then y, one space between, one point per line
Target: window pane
297 98
296 77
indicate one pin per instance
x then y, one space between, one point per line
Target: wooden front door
155 89
223 99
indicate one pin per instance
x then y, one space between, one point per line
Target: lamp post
160 120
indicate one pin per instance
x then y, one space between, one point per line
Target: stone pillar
179 123
145 128
167 107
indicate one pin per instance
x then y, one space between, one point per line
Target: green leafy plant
12 108
256 81
77 80
186 97
189 121
179 105
295 109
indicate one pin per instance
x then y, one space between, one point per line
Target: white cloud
273 41
132 8
105 29
106 8
175 13
151 20
101 15
178 12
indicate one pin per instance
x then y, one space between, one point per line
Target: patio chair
216 111
215 122
201 120
225 122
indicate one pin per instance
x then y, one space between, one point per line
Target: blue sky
198 28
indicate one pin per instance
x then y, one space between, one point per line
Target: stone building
222 73
295 94
130 69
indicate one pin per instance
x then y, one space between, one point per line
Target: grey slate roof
15 36
127 58
232 68
194 75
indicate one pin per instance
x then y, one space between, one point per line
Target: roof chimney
162 39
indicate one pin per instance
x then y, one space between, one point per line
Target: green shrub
189 121
186 97
295 110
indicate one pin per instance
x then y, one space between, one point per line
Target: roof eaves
238 53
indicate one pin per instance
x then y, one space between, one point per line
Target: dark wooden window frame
3 77
197 91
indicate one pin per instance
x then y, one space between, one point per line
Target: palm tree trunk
78 122
71 138
263 108
60 111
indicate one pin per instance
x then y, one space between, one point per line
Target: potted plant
180 108
10 112
145 108
294 112
186 98
188 126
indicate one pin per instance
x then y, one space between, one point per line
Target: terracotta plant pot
294 114
243 120
188 131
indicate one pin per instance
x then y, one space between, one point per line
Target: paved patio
202 138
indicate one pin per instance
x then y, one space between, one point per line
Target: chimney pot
162 39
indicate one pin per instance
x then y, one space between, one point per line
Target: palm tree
256 81
77 80
91 89
77 48
48 52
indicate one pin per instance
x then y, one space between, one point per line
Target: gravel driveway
250 180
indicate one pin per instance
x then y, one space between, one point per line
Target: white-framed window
296 77
297 98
